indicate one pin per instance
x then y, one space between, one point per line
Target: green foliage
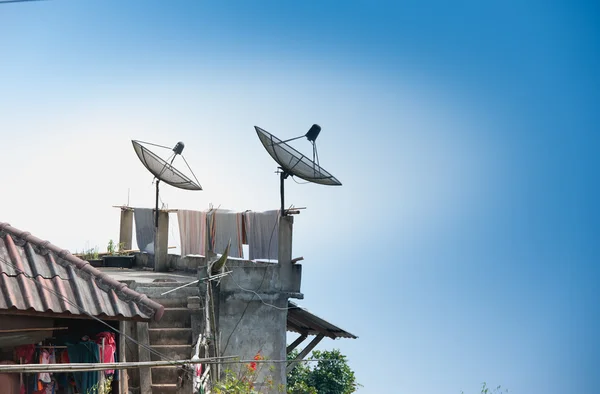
331 375
298 378
486 390
111 249
90 254
244 381
234 384
115 249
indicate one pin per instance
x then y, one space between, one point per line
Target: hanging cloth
85 352
44 359
192 232
144 229
25 353
262 233
110 347
224 226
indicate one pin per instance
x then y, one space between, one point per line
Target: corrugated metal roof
37 276
302 321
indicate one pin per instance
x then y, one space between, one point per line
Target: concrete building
247 307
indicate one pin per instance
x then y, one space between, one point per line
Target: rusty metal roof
303 322
38 277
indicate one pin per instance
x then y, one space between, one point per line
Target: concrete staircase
172 336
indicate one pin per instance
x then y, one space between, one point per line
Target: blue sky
463 245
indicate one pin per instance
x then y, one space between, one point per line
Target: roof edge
83 265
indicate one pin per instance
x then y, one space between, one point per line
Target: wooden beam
145 372
33 329
295 344
66 315
304 352
123 376
299 329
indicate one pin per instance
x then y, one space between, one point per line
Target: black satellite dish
163 170
292 162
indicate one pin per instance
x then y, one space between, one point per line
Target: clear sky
464 244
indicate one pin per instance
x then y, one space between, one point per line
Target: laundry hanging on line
262 234
144 229
192 232
225 226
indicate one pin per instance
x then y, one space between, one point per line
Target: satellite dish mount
163 170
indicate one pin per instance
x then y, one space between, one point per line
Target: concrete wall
251 310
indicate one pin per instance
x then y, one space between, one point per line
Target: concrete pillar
286 224
161 242
126 230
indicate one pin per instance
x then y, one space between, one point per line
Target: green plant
486 390
244 381
111 249
115 249
90 254
331 375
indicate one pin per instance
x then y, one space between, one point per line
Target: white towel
262 234
192 232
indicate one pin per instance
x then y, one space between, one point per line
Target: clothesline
170 210
213 229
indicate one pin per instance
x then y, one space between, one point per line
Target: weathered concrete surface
126 228
251 310
161 243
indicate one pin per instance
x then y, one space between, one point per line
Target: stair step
172 352
177 298
165 375
173 318
164 388
170 336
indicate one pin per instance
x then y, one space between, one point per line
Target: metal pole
156 212
281 191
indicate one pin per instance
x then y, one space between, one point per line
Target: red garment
110 347
25 353
64 357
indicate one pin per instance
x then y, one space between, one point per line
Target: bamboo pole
89 367
33 329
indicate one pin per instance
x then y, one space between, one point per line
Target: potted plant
91 256
116 256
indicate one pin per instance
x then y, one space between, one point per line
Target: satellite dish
292 162
163 170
